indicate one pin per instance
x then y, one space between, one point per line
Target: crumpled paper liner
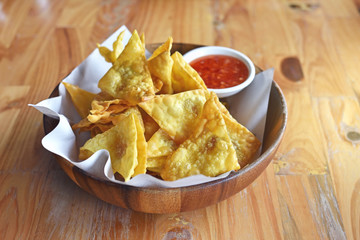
249 107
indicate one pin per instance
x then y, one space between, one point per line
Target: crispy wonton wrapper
160 66
160 145
129 77
176 113
118 46
126 145
63 141
208 151
81 98
184 77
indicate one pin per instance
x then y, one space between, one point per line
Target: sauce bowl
216 50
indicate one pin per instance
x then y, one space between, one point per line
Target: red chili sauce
220 71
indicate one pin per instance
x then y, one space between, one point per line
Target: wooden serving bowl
170 200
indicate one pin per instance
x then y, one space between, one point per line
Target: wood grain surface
311 190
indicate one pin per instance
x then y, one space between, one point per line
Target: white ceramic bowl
216 50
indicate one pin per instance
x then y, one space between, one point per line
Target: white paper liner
249 107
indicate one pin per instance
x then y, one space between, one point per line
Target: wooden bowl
165 200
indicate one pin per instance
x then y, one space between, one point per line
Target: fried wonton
222 107
81 98
105 124
183 76
160 66
86 125
141 147
245 143
208 151
129 77
177 113
181 131
160 144
149 124
103 109
118 46
155 164
126 145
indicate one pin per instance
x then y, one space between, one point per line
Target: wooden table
310 191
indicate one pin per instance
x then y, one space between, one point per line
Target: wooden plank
111 16
23 140
12 15
19 203
25 50
340 9
320 67
340 116
303 150
297 154
275 35
227 17
59 199
67 45
311 198
198 13
255 209
159 12
345 33
12 100
78 13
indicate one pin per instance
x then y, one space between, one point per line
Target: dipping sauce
220 71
